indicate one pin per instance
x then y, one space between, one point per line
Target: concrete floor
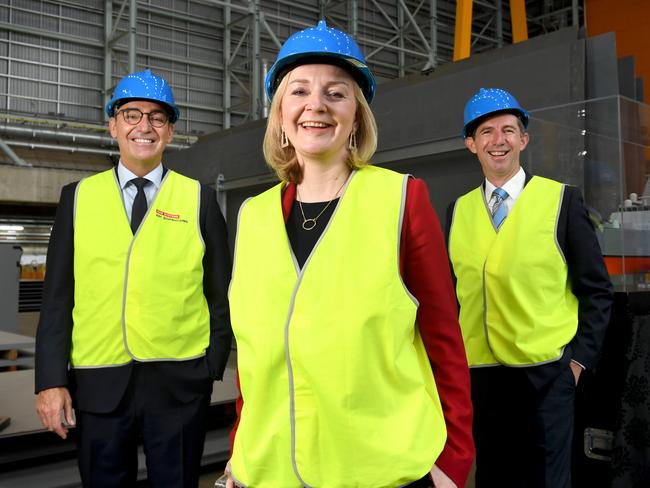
210 476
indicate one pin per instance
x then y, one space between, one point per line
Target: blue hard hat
488 101
321 44
144 86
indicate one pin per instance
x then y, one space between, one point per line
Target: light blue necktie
499 209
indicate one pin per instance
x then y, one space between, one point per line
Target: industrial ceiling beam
464 21
463 32
518 19
12 155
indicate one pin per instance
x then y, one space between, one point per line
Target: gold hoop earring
352 144
284 140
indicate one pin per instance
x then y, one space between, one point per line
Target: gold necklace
309 224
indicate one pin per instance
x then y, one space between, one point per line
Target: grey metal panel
602 66
26 70
236 153
447 176
73 47
9 275
207 99
166 3
48 73
80 79
205 12
83 30
25 18
26 52
74 60
627 77
49 56
76 95
49 92
432 109
25 88
49 23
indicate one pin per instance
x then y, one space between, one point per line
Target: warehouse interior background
581 67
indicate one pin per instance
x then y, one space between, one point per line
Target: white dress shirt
129 191
514 186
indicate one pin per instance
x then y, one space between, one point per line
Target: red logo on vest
169 216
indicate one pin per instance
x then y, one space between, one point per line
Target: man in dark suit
534 299
135 325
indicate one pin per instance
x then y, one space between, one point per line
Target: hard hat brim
521 114
358 70
113 106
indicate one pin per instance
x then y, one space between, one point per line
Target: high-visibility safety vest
516 304
338 390
138 297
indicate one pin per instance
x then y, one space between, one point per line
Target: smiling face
141 145
318 111
497 142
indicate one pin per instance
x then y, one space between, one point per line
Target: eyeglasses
133 116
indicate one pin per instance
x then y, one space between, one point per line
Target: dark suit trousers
171 431
522 433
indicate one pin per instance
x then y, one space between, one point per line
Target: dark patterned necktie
139 203
499 209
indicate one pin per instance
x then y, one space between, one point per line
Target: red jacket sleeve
425 270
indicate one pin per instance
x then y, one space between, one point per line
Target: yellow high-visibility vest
138 297
516 303
337 386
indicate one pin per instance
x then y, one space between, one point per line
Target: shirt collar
514 186
125 175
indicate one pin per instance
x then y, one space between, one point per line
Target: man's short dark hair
471 129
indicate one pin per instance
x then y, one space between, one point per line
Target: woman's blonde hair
283 160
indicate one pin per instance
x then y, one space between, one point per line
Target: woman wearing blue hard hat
351 365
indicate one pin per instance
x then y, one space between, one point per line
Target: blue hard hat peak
489 101
144 85
321 44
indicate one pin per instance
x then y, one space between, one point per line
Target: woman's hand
440 479
230 483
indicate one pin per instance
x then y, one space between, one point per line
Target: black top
303 241
99 389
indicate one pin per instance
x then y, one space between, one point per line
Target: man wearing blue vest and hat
135 325
534 299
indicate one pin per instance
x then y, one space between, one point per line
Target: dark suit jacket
590 283
100 390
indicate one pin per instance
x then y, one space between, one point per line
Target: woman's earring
352 144
284 140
